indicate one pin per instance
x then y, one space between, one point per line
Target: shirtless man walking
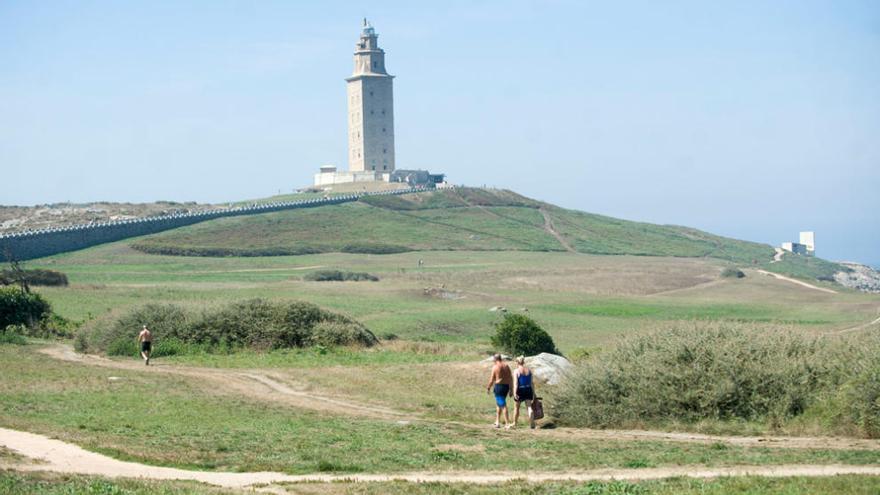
145 339
500 383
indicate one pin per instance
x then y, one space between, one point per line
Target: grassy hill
459 219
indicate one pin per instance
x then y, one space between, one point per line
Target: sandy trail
777 256
263 386
795 281
548 226
856 328
60 457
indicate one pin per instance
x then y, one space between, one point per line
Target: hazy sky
748 119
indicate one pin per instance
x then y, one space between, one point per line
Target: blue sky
748 119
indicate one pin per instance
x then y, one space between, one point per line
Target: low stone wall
46 242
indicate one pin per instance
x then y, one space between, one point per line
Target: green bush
13 334
151 247
254 324
339 276
853 399
51 326
518 334
731 272
333 333
694 373
725 372
374 248
117 335
35 277
20 308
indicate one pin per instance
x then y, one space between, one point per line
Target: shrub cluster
13 334
339 276
254 324
21 308
731 272
374 248
150 247
28 314
35 277
727 372
518 334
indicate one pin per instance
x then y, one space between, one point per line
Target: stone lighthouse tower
370 108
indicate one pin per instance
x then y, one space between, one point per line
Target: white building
806 246
808 239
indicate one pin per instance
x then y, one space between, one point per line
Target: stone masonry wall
46 242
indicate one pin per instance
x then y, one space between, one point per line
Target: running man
500 383
145 339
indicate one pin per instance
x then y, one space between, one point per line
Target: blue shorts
501 391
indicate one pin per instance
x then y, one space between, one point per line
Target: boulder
548 368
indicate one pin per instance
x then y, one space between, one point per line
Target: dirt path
60 457
777 257
255 384
699 286
795 281
858 327
263 386
548 226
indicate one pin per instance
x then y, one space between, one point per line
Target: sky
749 119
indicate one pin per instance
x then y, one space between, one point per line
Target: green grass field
583 300
175 421
475 250
463 219
42 484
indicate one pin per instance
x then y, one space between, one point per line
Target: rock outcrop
862 277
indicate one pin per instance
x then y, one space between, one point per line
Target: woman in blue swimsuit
523 390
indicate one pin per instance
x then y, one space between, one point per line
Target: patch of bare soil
442 293
795 281
638 277
454 447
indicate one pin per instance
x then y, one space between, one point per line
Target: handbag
537 408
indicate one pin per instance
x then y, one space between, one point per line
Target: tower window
383 111
384 150
371 112
383 129
384 167
371 93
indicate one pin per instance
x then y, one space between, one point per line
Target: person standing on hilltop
523 390
145 339
500 382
